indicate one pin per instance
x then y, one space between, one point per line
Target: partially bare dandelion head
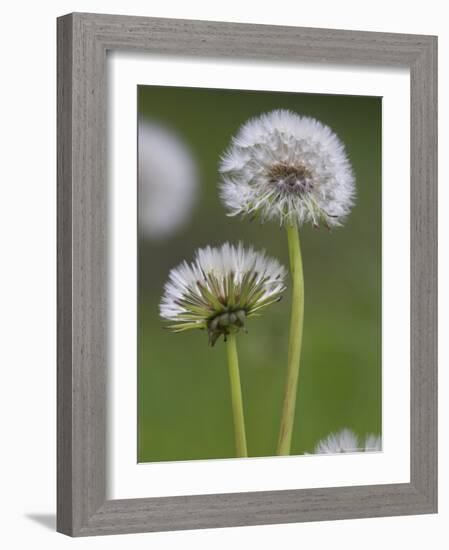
221 289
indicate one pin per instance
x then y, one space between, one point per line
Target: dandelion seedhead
290 168
346 441
221 289
167 177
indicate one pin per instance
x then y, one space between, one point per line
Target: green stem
236 395
295 341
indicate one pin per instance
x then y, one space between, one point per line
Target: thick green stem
236 395
295 341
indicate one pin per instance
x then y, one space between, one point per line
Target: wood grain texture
64 277
83 40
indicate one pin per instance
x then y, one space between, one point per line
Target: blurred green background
184 406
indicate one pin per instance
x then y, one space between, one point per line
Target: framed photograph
247 280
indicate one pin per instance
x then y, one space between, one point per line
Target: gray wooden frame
83 40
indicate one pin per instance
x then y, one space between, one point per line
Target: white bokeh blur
168 183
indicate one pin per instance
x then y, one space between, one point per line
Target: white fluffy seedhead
290 168
168 181
346 441
220 289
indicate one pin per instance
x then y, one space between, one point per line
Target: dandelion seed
221 289
290 168
373 443
346 441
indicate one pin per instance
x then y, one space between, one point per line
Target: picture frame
83 41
